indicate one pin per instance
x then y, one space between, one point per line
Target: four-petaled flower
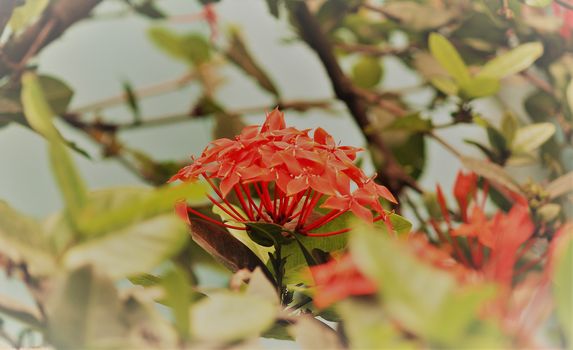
280 175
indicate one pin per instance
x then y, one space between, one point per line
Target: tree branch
390 173
60 15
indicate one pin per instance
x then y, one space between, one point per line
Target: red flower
464 189
567 17
337 280
291 173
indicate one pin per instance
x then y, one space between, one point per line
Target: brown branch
63 13
390 173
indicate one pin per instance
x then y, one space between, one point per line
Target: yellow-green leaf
513 61
449 58
367 72
445 85
531 137
479 87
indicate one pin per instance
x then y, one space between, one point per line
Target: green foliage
178 297
367 72
191 48
562 286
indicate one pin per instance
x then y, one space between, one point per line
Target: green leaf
367 72
133 250
228 317
36 108
24 15
178 297
531 137
368 327
147 8
411 122
492 172
496 139
560 186
116 208
57 93
449 58
22 241
132 101
264 233
39 115
478 87
509 125
513 61
445 85
562 285
191 48
273 6
87 308
414 15
400 224
239 54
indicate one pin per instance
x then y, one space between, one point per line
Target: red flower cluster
492 244
291 173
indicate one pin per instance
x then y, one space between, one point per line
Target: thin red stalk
262 197
235 217
293 203
308 209
304 203
457 249
221 196
246 208
204 217
326 234
267 198
250 199
333 214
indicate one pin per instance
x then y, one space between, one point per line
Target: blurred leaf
530 137
562 284
191 48
445 85
509 125
239 54
260 286
541 106
311 334
228 317
39 115
367 72
177 298
447 55
415 15
22 241
132 101
115 208
560 186
478 87
367 326
57 93
400 224
537 3
411 154
443 316
496 139
512 62
569 94
492 172
412 122
87 308
24 15
132 250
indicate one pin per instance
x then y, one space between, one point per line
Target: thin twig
151 90
445 144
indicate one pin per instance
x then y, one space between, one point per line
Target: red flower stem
304 204
258 208
221 196
246 208
325 234
294 205
485 192
235 217
206 218
333 214
266 194
457 249
264 200
308 209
